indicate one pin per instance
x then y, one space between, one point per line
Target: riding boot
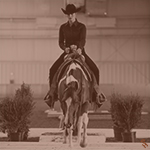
100 97
52 96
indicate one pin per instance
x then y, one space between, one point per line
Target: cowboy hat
70 9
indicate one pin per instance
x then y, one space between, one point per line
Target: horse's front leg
79 129
85 123
65 135
70 136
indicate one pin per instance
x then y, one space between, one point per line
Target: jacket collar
75 23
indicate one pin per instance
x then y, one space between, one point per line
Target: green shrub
126 110
15 112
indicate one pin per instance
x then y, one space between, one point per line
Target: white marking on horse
74 66
68 102
61 81
82 123
71 78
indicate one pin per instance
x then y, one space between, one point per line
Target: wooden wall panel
8 50
142 49
110 72
129 8
30 8
124 72
29 40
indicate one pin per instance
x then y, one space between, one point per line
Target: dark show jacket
72 35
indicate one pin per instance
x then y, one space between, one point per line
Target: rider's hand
79 51
73 47
67 50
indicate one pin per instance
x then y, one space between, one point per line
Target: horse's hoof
83 144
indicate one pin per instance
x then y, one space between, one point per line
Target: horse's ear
76 85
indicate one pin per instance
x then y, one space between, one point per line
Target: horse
74 93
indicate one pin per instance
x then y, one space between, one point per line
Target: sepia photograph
74 74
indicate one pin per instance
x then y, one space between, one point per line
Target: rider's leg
52 83
98 95
54 67
92 66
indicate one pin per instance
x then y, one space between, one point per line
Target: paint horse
74 93
74 88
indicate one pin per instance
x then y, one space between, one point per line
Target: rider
72 36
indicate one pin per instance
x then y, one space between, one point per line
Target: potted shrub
114 100
128 115
15 114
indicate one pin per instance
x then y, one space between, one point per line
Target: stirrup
101 98
47 96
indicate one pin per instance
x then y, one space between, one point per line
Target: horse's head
69 92
70 103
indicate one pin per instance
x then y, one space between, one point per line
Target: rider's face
71 17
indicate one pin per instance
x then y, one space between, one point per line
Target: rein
74 56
